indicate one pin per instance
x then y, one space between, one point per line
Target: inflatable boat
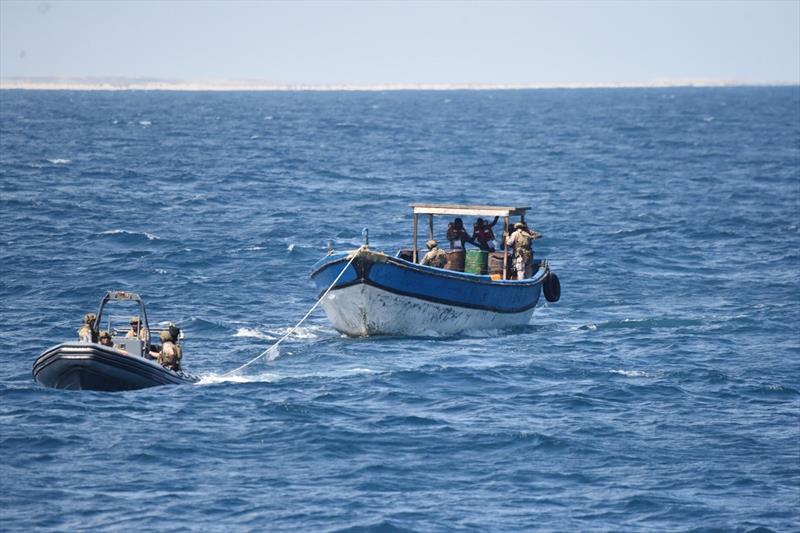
124 363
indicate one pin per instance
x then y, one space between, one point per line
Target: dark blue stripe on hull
429 284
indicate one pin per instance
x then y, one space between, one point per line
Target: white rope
268 350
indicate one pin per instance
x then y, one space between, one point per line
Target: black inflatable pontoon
89 366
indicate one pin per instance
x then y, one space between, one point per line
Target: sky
410 42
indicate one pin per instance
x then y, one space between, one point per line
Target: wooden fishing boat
373 293
123 365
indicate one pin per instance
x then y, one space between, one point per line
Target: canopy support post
415 238
505 248
430 227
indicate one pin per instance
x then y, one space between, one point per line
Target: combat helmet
174 332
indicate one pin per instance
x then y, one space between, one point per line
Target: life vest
484 234
453 233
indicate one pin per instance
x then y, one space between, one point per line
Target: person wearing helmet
174 332
86 332
105 339
170 354
436 257
521 241
137 331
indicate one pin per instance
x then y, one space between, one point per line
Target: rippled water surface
661 393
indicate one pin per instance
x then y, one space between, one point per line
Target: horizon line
118 83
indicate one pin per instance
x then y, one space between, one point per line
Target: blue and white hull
383 295
363 310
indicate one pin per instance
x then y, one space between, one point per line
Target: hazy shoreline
143 84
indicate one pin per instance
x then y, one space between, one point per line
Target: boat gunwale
440 272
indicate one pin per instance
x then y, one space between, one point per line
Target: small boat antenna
365 236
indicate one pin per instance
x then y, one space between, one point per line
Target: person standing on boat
483 235
86 331
436 257
457 233
170 354
137 331
522 243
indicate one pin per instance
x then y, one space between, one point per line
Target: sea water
661 393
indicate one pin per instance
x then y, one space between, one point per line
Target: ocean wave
253 333
489 333
303 332
643 323
358 370
60 161
251 249
149 236
631 373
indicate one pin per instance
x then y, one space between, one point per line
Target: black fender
552 287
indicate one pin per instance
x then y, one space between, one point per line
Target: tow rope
319 301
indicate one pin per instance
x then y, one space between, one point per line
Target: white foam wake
252 333
264 377
302 332
631 373
269 377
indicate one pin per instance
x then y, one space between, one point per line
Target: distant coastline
151 84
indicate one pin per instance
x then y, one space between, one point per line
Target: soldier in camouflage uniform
86 331
170 354
105 339
436 257
137 331
521 240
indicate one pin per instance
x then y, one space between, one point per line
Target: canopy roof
468 210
